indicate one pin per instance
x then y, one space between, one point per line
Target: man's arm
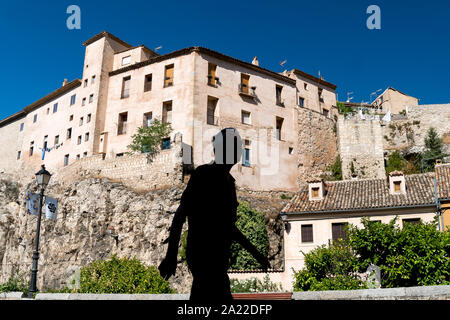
240 238
169 264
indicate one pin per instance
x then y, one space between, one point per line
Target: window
168 76
301 102
91 98
86 136
18 154
211 111
44 146
85 154
165 144
80 138
411 221
278 90
118 155
78 157
245 117
325 112
245 80
73 99
71 117
315 192
307 233
21 126
56 140
320 94
148 119
31 148
246 154
397 186
122 126
66 160
85 83
55 107
69 133
48 110
126 87
291 150
126 60
212 74
148 83
338 231
83 101
88 119
93 80
279 126
167 112
34 118
81 121
305 86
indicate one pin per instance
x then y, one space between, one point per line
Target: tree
149 139
414 255
251 223
433 149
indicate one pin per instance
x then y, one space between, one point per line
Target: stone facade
394 101
361 144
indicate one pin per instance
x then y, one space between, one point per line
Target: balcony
246 91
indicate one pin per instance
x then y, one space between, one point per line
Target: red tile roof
366 194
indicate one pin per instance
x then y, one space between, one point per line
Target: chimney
64 82
316 189
255 61
397 184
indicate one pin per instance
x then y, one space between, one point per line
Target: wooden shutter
338 231
245 79
168 77
307 233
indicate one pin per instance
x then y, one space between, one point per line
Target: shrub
255 285
251 223
122 275
15 284
149 139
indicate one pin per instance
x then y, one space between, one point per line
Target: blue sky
411 52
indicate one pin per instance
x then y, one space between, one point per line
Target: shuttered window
167 112
148 83
126 87
212 74
245 80
338 231
168 76
307 233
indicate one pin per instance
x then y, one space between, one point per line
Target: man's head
227 147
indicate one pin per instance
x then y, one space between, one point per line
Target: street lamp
42 179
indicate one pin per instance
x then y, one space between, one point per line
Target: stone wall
317 145
139 171
360 143
408 134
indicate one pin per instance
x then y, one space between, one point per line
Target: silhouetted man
209 202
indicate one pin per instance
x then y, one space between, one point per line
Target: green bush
149 139
251 223
255 285
433 150
329 268
122 275
15 284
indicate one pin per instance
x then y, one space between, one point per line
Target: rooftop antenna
157 48
348 96
375 93
282 62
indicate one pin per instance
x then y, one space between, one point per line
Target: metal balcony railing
247 91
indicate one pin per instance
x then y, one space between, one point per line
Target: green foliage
149 139
343 109
183 246
122 275
403 112
352 168
329 268
415 255
336 169
433 150
396 162
251 223
16 284
255 285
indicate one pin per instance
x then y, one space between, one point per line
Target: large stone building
394 101
197 90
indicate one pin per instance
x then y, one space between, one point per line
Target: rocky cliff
97 218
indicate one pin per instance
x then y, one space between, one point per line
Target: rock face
96 218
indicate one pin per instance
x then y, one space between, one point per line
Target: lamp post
42 179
